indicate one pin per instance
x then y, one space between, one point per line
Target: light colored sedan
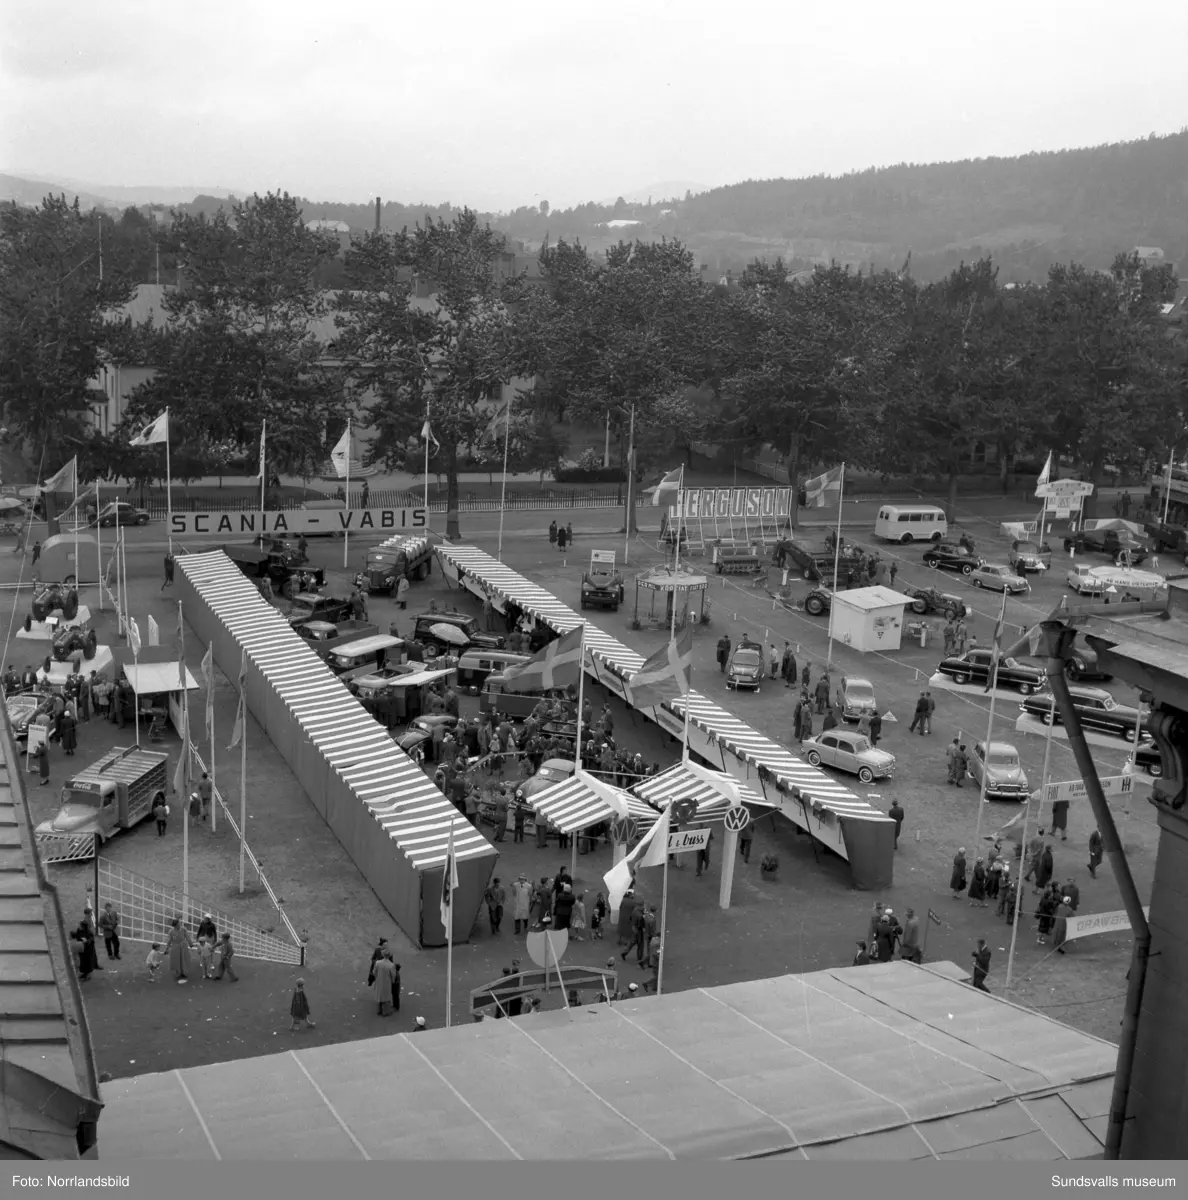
1082 581
998 577
849 752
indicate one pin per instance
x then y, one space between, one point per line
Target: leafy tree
52 330
444 356
241 346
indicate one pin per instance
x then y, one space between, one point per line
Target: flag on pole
996 650
66 480
154 432
558 665
340 456
181 651
665 675
499 414
652 851
427 434
263 427
449 881
207 668
668 488
154 632
815 489
134 636
1045 476
179 776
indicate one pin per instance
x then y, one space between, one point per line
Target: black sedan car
420 732
974 667
1098 710
1149 759
118 512
951 556
932 600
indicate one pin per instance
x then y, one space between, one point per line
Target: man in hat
896 813
909 940
981 957
521 902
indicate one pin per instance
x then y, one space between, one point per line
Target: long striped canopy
572 805
608 654
678 783
399 796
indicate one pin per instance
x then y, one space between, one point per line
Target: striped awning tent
678 783
572 805
607 654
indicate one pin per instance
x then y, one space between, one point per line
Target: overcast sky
502 104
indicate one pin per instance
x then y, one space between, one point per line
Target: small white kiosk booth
869 618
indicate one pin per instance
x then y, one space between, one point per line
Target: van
475 665
366 654
911 523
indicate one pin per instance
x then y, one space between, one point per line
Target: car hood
1013 775
71 818
876 758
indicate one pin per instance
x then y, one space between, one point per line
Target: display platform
41 631
59 672
945 684
1027 723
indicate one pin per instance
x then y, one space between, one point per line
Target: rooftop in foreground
890 1062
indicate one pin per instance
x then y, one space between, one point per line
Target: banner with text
736 504
313 522
1111 922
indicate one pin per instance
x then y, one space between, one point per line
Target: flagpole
428 433
210 722
503 490
841 495
168 481
263 473
994 665
346 533
99 544
449 867
74 514
1167 487
185 770
242 775
664 912
630 482
1023 844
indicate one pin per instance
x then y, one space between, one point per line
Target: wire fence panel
147 910
65 847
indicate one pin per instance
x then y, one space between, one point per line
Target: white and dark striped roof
813 785
572 805
678 783
355 746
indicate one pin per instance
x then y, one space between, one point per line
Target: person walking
896 813
921 712
1045 868
788 666
744 843
109 926
43 764
495 897
723 652
822 692
703 855
383 976
1060 819
160 813
178 947
552 533
981 957
1096 852
977 885
909 940
521 900
205 794
960 766
957 878
929 709
876 727
299 1008
226 954
773 660
169 565
36 553
806 722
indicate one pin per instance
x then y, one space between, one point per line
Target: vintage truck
285 575
112 794
310 606
602 585
325 636
409 556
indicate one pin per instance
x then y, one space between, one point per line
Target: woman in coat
88 959
68 731
977 885
383 974
1043 868
178 946
957 879
43 764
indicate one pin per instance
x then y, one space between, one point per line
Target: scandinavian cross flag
652 851
340 456
154 432
668 488
558 665
427 434
449 881
815 489
665 675
66 480
1045 476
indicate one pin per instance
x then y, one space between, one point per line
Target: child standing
597 916
154 960
577 922
299 1007
206 957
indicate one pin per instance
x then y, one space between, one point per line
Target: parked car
1029 556
1148 759
420 731
602 587
1080 579
852 752
745 668
311 606
1120 544
1005 777
854 698
997 577
1082 662
951 556
930 600
552 771
974 667
1098 710
375 683
23 709
120 513
463 622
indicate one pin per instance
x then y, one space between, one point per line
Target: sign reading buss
314 522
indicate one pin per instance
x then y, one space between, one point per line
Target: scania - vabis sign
311 522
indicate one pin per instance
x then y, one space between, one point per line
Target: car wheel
142 520
936 537
90 646
807 572
906 540
1074 669
1027 688
865 775
1128 734
930 562
813 758
976 582
1155 769
962 678
919 606
966 569
1047 718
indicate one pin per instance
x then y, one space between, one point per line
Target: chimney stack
377 214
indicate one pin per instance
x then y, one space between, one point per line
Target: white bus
911 523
